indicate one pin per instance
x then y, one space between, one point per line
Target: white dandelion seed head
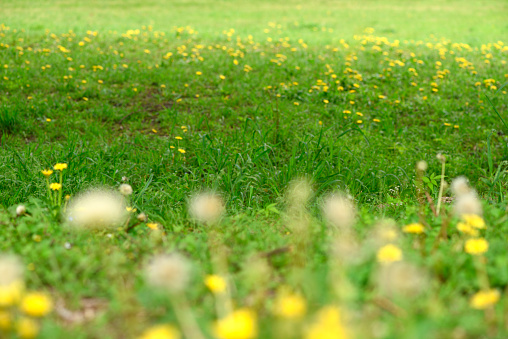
206 208
171 272
339 211
422 165
468 204
441 157
125 189
142 217
299 193
11 269
97 209
401 279
20 210
460 186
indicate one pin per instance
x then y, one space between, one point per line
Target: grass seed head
97 209
170 272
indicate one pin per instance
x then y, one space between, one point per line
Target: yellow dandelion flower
55 186
161 332
5 320
222 77
474 220
240 324
415 228
47 172
467 229
484 299
290 306
10 294
178 138
36 304
328 325
152 225
388 254
476 246
215 283
199 73
60 167
27 328
181 150
376 120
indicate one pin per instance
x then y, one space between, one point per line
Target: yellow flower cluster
240 324
32 305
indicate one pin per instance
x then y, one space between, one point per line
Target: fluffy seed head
125 189
468 204
11 269
339 211
142 217
441 157
97 209
20 210
206 208
401 279
421 166
169 271
460 186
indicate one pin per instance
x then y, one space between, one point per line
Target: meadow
240 170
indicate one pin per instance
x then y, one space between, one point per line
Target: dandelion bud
441 157
97 209
20 210
339 211
421 166
142 217
169 271
125 189
206 208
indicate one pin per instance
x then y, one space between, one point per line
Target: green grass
349 108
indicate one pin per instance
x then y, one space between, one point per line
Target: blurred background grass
462 21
